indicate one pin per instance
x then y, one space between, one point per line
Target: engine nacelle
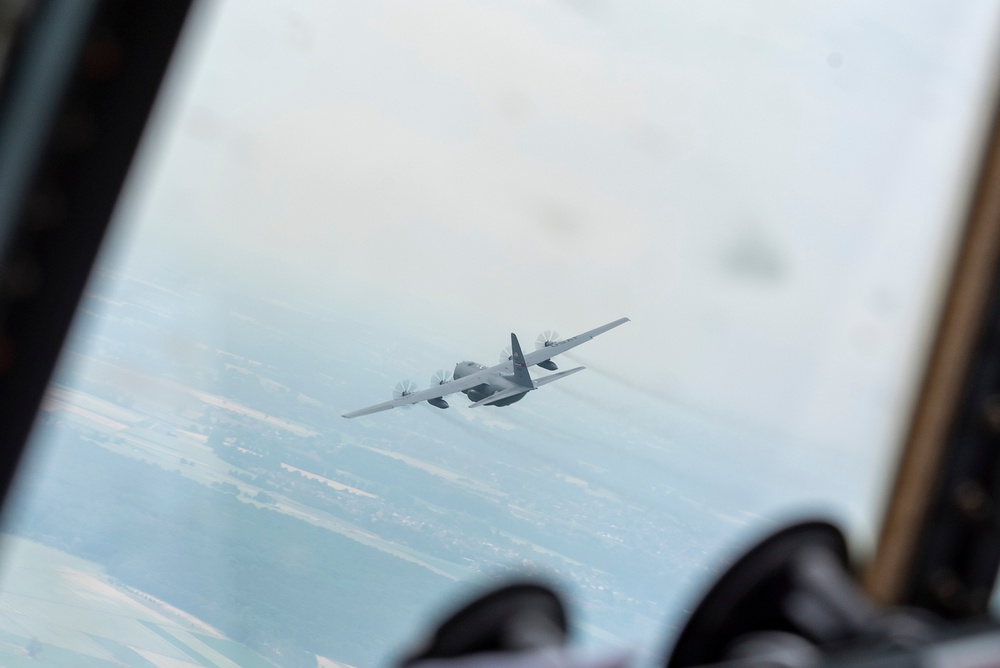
438 402
549 365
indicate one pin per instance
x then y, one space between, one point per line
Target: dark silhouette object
791 600
518 617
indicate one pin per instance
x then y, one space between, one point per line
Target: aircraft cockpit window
690 255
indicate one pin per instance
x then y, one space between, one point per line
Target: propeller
403 388
546 339
506 355
440 378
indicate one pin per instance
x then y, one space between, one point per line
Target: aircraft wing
441 390
558 348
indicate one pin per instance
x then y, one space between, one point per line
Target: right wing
441 390
548 352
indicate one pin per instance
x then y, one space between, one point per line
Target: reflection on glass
335 199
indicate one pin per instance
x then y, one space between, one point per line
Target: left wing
548 352
441 390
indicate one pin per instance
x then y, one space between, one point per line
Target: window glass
336 198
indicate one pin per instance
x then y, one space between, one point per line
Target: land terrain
60 610
191 444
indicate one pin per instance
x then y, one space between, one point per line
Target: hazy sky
768 189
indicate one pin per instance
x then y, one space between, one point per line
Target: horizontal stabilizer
545 380
499 396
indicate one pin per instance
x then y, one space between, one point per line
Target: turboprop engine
439 378
544 340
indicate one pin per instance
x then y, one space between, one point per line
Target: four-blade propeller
404 388
440 378
546 339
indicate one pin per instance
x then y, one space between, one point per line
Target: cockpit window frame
939 546
79 84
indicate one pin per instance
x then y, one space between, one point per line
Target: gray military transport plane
499 385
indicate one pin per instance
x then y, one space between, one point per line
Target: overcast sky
770 190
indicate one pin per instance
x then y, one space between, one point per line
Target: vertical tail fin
521 375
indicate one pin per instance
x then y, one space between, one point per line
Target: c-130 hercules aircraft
499 385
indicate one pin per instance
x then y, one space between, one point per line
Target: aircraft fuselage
479 392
